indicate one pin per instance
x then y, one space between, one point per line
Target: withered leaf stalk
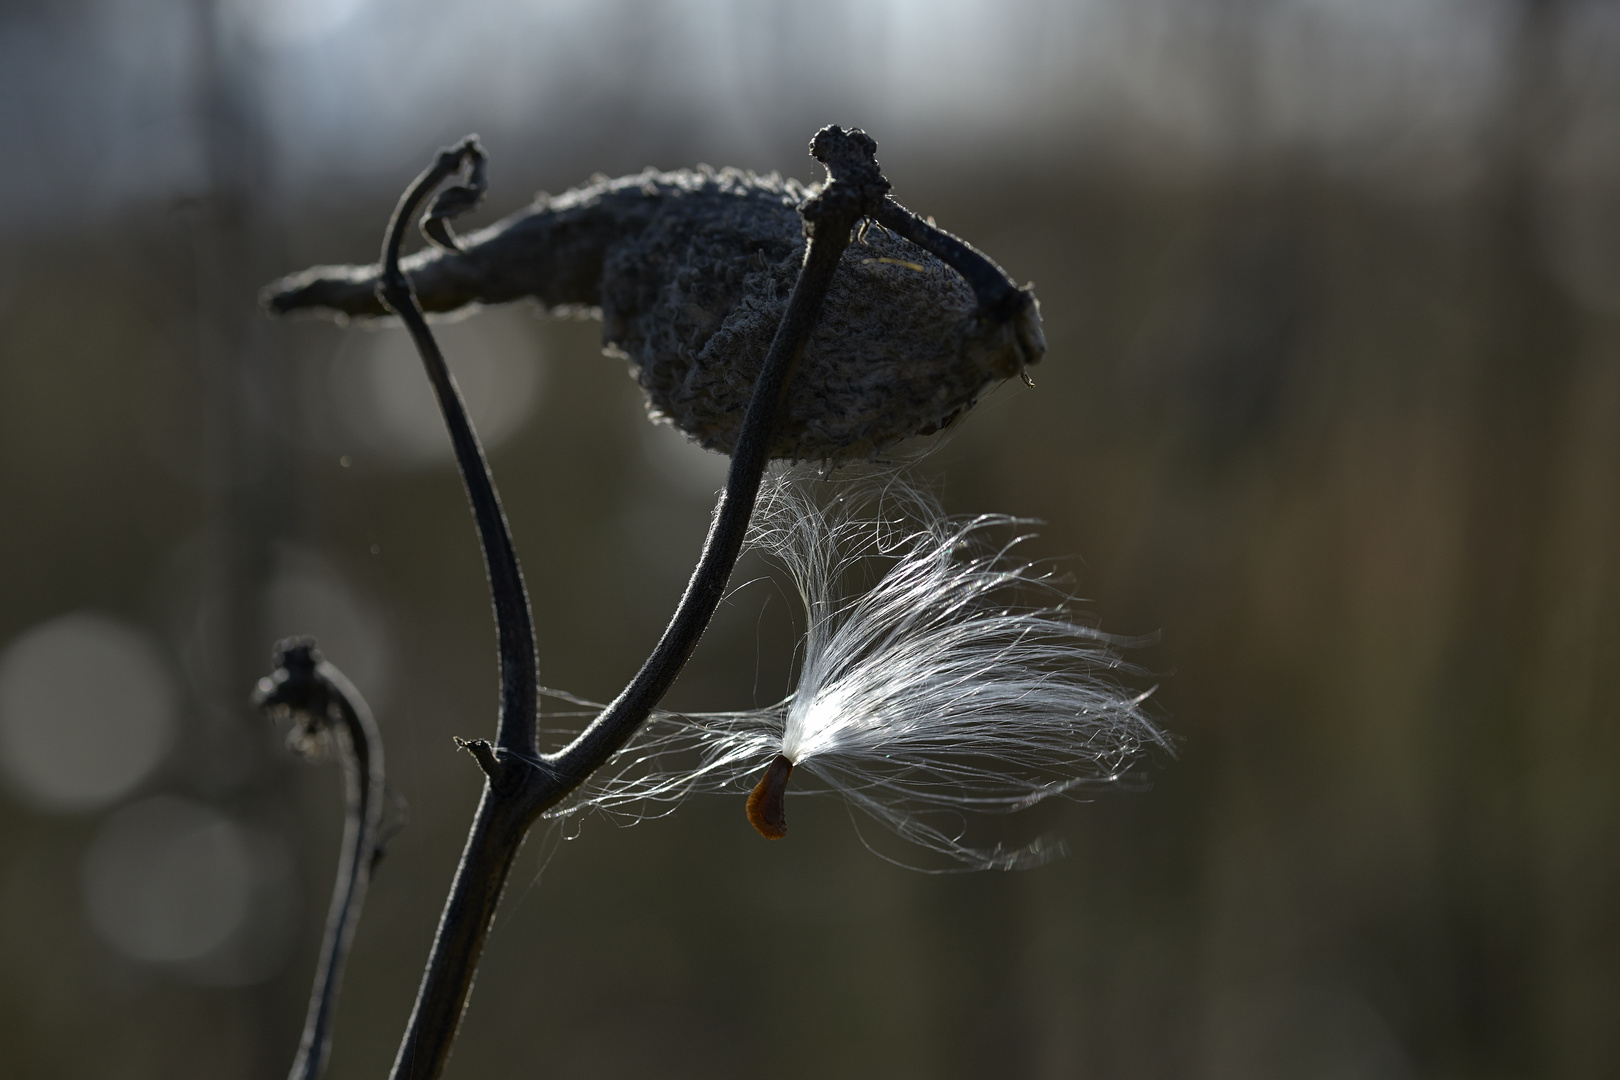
759 321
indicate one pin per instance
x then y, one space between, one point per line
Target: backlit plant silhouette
768 321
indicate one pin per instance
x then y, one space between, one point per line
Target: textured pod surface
691 271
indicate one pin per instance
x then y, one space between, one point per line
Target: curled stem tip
767 810
327 710
513 618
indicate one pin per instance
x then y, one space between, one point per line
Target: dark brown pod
690 272
767 803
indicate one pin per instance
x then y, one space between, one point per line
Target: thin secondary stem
857 186
995 291
520 783
324 702
514 622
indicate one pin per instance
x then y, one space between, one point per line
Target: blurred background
1332 407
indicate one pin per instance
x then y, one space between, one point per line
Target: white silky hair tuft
958 682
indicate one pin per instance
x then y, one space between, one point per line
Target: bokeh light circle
387 405
167 880
87 711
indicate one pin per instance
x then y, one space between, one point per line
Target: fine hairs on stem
521 783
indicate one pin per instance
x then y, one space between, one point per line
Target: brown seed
766 810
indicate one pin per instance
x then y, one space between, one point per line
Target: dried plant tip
767 811
296 690
457 199
292 685
329 712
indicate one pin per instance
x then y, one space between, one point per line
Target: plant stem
319 695
994 290
519 782
514 623
857 187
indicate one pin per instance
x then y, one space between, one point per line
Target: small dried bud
295 690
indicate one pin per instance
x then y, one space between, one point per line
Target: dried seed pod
691 271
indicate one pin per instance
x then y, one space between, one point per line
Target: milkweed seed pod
691 271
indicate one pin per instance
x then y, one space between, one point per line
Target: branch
328 709
999 299
520 783
520 672
856 187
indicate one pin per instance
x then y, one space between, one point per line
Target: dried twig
329 711
520 782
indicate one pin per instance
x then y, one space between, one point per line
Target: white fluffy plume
957 683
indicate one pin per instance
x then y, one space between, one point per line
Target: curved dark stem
520 783
327 708
995 291
856 188
1000 299
514 623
